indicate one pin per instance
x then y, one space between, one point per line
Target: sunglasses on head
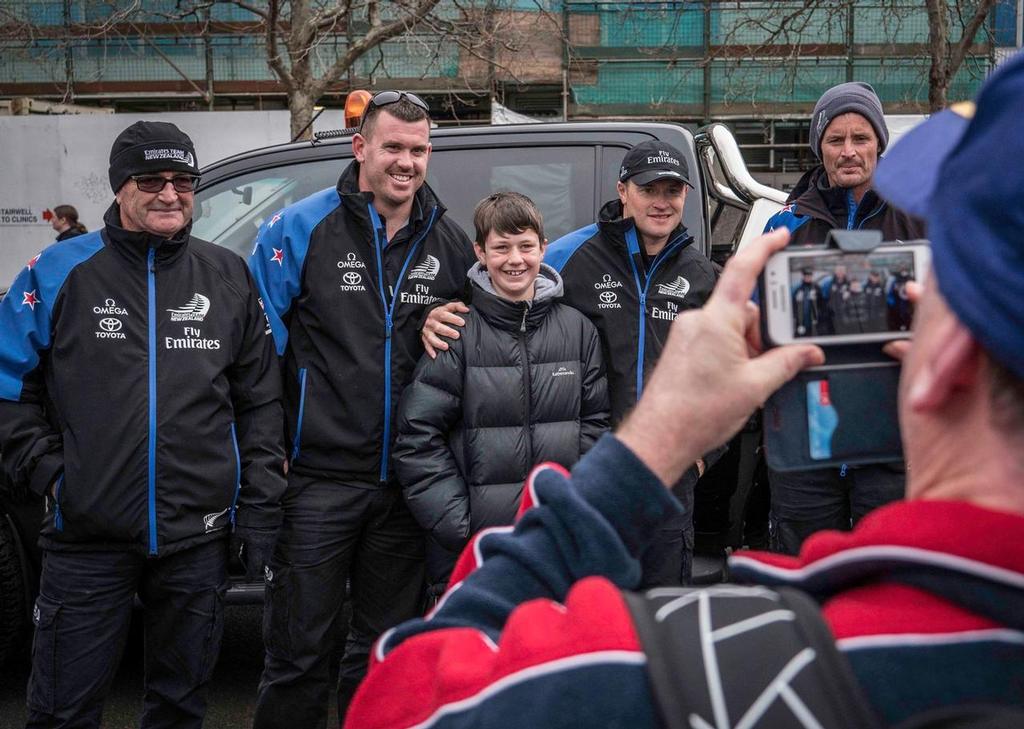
156 183
387 98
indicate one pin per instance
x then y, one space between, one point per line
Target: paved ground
232 695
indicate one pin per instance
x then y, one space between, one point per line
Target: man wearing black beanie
139 395
848 135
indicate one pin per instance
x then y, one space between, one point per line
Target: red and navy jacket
924 599
138 378
814 207
345 305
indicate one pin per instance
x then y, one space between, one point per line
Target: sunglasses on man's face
156 183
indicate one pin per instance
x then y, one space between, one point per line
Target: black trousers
805 502
668 559
332 533
82 617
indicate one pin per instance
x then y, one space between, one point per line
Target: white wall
53 160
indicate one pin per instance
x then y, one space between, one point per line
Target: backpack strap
730 656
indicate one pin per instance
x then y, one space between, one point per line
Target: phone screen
841 294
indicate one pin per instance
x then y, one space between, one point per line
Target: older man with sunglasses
139 394
346 276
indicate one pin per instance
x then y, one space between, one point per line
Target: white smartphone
832 297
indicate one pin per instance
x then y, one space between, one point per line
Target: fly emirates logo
192 338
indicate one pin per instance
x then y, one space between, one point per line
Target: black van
568 169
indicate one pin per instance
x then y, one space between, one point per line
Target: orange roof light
355 107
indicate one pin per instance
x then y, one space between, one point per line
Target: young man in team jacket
523 384
139 393
632 273
346 275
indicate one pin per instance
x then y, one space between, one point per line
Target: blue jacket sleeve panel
786 218
31 447
279 254
559 252
592 523
26 310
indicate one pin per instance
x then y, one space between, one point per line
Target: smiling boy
524 383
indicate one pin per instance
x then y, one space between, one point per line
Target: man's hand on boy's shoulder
440 325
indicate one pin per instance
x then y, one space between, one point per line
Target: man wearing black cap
848 134
139 394
632 273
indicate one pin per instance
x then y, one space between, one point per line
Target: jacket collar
614 227
356 201
135 246
815 197
514 316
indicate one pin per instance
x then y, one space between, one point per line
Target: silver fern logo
427 270
677 288
210 520
194 310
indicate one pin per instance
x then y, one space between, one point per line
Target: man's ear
480 255
359 147
954 367
620 187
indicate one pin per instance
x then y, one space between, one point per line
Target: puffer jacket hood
547 287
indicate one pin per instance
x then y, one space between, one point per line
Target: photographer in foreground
923 599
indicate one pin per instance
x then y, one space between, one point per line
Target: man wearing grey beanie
847 135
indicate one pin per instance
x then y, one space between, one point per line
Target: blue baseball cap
963 172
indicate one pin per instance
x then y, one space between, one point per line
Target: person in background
808 306
65 222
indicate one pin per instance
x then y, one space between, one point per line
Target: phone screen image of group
851 294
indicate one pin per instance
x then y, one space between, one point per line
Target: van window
560 180
229 213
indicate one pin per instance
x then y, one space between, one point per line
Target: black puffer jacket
463 448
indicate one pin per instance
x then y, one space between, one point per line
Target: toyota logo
608 297
110 324
352 278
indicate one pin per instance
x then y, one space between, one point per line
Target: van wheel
13 625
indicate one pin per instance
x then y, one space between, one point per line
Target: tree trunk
300 105
938 48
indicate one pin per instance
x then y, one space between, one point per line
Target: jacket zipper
151 292
851 210
58 517
238 474
633 250
526 384
302 408
879 209
380 234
